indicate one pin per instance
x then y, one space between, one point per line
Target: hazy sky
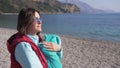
104 4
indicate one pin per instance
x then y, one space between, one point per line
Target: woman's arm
25 55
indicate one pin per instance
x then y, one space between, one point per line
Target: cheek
35 27
32 27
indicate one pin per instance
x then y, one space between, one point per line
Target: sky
104 4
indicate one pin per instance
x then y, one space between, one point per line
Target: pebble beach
77 53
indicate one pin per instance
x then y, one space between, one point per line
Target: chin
40 30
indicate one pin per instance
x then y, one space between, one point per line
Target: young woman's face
36 24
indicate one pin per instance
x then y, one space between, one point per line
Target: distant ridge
85 8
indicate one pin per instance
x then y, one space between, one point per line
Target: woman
28 49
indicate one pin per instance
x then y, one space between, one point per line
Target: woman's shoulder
23 46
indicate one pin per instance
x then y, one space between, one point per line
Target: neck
31 33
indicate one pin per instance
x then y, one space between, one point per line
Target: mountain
85 8
44 6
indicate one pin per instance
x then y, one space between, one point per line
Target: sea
89 26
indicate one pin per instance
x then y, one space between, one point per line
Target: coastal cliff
44 6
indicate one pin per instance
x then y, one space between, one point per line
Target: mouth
39 26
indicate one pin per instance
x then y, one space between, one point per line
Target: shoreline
40 13
58 13
77 53
68 36
90 39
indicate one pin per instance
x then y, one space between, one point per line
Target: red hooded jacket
17 38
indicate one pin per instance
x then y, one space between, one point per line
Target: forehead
37 15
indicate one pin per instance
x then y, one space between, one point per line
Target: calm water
95 26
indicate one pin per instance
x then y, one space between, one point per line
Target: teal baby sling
53 59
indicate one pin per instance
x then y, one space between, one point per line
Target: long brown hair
25 18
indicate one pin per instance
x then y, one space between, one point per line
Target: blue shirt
25 55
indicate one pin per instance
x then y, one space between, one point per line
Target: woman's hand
51 46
